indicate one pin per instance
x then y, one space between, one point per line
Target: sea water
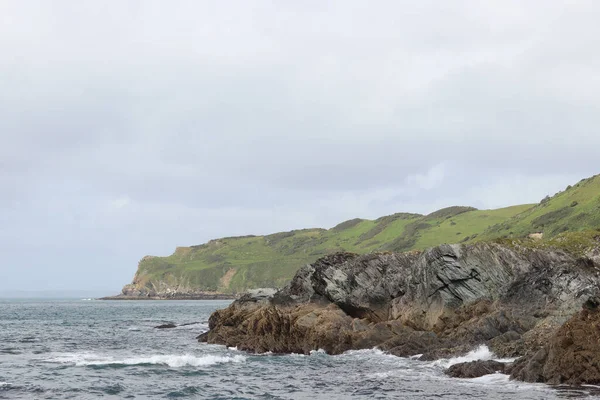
81 349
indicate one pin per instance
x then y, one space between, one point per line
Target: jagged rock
508 345
262 295
438 303
571 356
475 369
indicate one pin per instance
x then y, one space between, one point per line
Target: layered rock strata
437 303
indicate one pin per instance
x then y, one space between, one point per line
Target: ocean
87 349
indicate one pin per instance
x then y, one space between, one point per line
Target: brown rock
475 369
571 356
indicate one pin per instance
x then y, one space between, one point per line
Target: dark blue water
75 349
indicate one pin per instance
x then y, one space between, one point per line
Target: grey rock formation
439 302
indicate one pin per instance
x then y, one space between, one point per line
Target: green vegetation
238 263
575 209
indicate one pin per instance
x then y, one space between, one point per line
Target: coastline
220 296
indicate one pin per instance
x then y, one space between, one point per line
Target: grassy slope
575 209
257 261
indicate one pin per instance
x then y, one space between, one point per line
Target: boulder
166 326
475 369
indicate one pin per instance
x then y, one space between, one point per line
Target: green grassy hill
237 263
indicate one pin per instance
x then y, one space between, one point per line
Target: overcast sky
131 127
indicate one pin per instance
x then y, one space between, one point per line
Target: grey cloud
130 128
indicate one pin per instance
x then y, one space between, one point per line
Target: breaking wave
480 353
173 361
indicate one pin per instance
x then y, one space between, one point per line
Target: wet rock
475 369
166 326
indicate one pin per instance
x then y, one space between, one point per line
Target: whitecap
480 353
317 352
496 378
134 328
5 384
173 361
373 351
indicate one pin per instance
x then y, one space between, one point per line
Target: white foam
173 361
480 353
373 351
134 328
496 378
5 384
317 352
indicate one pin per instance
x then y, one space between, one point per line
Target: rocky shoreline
178 296
540 306
134 292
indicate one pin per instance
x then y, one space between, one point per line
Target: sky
130 128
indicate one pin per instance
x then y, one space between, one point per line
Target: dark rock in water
166 326
475 369
439 303
571 356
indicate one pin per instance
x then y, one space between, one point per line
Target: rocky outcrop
173 296
437 303
571 356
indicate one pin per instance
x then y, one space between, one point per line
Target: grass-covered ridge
238 263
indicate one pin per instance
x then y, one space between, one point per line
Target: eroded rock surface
438 303
571 356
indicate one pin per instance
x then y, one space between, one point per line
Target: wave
373 351
480 353
492 379
173 361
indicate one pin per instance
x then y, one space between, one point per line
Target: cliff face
439 302
236 264
170 288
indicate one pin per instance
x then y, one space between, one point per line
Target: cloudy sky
129 128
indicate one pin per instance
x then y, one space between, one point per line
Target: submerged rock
438 303
166 326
